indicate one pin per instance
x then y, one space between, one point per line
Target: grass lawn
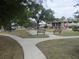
24 34
49 30
10 49
60 49
68 33
37 36
20 33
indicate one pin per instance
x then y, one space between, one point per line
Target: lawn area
37 36
10 49
24 34
49 30
60 49
68 33
20 33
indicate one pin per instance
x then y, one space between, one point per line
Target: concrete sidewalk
29 45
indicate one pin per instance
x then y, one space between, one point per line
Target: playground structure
58 27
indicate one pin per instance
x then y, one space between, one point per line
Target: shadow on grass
10 49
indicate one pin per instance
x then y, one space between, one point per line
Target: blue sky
62 7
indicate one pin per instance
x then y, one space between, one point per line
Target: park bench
41 31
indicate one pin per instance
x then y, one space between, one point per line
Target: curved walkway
29 45
30 50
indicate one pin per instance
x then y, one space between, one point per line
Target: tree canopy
16 9
21 10
47 15
10 9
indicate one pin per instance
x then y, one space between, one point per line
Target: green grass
68 33
60 49
20 33
65 32
37 36
24 34
49 30
10 49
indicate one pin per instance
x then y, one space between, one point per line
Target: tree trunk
2 28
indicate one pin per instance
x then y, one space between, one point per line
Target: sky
62 7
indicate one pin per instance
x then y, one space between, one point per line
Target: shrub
75 28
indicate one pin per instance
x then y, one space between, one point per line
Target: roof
42 22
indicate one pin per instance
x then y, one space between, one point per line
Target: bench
39 31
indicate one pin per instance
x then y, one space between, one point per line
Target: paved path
29 45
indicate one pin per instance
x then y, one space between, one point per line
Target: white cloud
62 7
